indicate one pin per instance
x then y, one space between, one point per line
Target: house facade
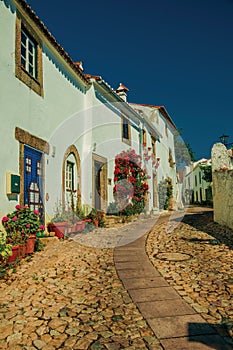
195 188
62 129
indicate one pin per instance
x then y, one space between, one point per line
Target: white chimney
122 91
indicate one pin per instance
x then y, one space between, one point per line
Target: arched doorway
71 179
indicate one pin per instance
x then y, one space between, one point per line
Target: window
28 56
153 145
34 196
38 168
144 137
69 175
200 178
170 158
195 180
28 165
125 130
166 130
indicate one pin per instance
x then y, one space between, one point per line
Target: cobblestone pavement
197 260
69 297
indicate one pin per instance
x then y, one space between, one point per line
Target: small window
28 165
125 130
195 180
144 137
28 56
69 175
28 53
38 168
153 145
200 177
166 130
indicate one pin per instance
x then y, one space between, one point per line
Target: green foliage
207 172
39 246
165 191
5 249
97 215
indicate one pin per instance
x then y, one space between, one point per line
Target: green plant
165 190
21 223
5 249
39 246
69 215
97 215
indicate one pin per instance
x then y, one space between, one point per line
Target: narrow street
71 296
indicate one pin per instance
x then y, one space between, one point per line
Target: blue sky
175 53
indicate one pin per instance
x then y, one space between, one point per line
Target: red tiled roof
90 76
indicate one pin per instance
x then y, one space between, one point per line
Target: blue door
33 179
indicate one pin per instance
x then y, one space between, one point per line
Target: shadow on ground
204 221
224 342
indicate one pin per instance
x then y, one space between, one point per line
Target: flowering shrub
130 182
21 223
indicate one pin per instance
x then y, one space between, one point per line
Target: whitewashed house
61 129
196 189
158 136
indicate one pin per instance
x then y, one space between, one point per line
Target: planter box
59 228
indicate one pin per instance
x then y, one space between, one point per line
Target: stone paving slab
163 308
127 257
125 273
142 283
202 342
153 294
180 326
128 265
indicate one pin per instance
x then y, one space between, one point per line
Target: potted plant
97 217
59 221
21 227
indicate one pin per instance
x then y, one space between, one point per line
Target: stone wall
222 167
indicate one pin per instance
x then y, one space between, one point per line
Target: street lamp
224 139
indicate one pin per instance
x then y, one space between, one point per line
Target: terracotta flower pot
96 222
15 254
22 250
77 227
30 244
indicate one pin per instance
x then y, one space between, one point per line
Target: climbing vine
165 191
